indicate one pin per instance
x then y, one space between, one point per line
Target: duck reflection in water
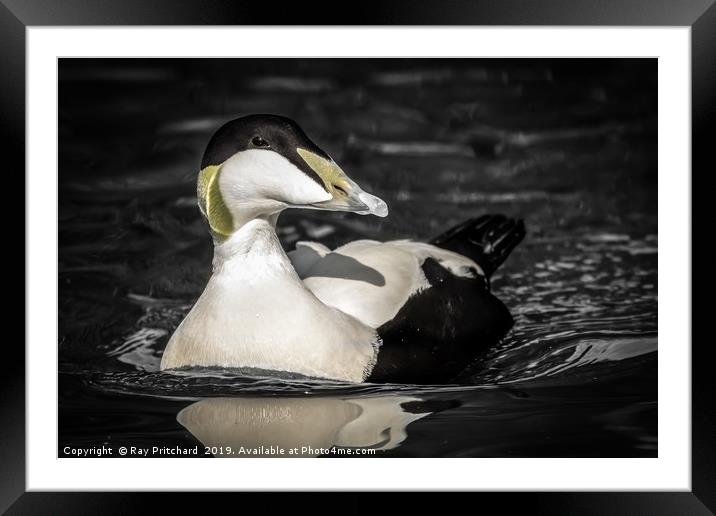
308 424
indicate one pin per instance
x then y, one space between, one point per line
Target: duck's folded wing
371 280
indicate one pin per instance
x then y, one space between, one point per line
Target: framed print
454 244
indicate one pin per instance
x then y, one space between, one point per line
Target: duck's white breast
255 312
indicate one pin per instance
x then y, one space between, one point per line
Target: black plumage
440 330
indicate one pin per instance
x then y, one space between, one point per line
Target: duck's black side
439 331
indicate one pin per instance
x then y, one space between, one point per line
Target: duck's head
258 165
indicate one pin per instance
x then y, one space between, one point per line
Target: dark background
566 144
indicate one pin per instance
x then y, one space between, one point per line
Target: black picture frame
700 15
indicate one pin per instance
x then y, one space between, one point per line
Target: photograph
357 257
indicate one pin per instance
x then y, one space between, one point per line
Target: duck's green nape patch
211 202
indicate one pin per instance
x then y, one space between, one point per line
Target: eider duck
367 311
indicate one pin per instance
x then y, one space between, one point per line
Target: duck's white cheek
261 174
299 189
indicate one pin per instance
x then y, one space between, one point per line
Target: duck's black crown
265 132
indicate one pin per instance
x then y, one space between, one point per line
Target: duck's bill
350 197
346 195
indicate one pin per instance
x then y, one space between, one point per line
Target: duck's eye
257 141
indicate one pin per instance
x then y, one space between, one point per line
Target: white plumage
256 312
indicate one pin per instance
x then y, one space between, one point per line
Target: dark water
569 146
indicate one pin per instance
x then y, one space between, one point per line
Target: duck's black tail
487 240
